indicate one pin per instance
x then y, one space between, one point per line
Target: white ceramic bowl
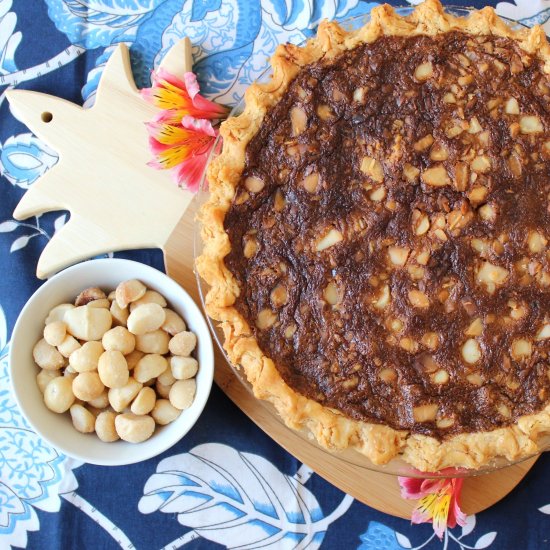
57 429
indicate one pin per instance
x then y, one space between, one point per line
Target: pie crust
333 430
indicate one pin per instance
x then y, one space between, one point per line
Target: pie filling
390 233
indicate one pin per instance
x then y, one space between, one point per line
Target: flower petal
168 97
170 157
166 134
435 485
213 109
415 488
169 93
200 125
171 135
162 75
410 487
441 513
456 515
191 171
181 136
435 508
438 502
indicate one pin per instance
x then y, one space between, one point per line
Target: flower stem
39 230
425 543
180 541
94 514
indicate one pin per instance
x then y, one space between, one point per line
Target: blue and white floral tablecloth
226 483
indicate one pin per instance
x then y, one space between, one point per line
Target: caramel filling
390 234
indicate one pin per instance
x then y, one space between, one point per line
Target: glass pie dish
395 466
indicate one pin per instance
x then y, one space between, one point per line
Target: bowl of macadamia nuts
111 361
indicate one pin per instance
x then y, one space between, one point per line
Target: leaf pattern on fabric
96 23
24 158
235 38
22 241
32 474
232 39
526 12
94 76
297 15
9 39
150 27
237 499
378 536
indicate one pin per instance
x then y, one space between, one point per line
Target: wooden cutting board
117 202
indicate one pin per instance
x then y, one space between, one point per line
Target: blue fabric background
48 28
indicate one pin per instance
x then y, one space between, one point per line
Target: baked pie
376 237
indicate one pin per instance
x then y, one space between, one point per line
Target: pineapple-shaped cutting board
116 201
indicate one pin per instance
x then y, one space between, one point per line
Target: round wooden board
380 491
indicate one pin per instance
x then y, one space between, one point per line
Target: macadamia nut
89 295
113 369
86 357
150 297
87 385
83 419
133 358
173 323
129 291
144 401
69 345
44 377
58 395
164 412
100 303
183 343
118 347
182 393
166 378
101 401
88 323
153 342
55 333
105 426
183 367
163 389
120 316
46 356
120 398
119 339
149 367
146 318
134 428
58 313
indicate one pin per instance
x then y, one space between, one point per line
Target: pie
376 238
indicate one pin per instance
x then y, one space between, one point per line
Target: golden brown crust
331 429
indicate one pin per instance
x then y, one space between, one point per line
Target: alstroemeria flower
437 501
181 136
178 98
185 147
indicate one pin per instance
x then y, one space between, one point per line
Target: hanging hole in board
46 117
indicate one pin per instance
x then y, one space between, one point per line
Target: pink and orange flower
182 135
438 502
